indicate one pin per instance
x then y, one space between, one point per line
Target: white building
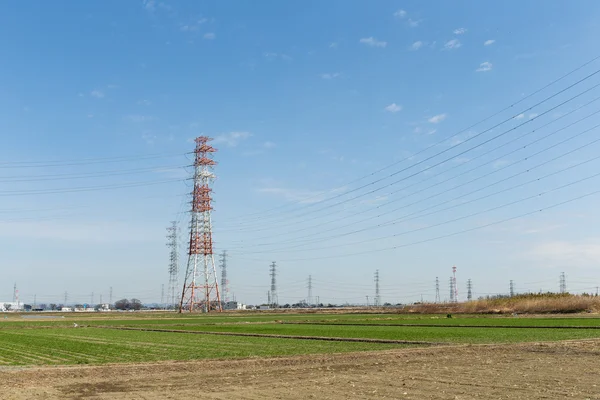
10 306
233 305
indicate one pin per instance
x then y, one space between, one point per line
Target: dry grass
527 304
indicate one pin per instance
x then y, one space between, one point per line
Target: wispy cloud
460 31
333 45
489 42
400 14
436 119
416 45
193 26
209 36
533 115
584 253
520 116
275 56
393 108
330 75
452 44
97 94
413 23
371 41
269 145
149 138
232 139
149 5
144 102
484 67
136 118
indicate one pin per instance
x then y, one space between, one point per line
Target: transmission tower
469 290
437 290
273 273
66 297
309 290
455 286
162 295
173 245
224 281
563 283
512 288
377 296
16 295
110 296
451 290
200 286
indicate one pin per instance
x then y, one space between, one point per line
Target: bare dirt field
558 370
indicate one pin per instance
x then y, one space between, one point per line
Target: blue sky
308 103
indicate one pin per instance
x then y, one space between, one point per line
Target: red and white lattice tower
200 286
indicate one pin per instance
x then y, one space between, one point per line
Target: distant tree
7 306
135 304
78 306
42 306
122 304
53 306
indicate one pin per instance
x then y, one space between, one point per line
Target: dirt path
526 371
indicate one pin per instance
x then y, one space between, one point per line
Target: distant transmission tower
173 245
377 296
15 294
563 283
200 286
110 296
437 290
512 288
451 290
309 290
66 297
273 273
455 286
469 290
224 280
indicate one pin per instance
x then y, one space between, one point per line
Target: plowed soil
525 371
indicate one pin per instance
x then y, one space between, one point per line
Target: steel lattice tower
437 290
377 296
512 288
454 282
310 290
469 290
173 245
451 290
563 283
200 286
224 280
273 273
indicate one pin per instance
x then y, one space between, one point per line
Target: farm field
332 349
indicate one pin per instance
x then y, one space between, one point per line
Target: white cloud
333 45
586 253
400 14
520 116
432 131
416 45
232 139
436 119
484 67
149 5
393 108
452 44
533 115
330 75
489 42
460 31
305 197
371 41
209 36
149 138
97 94
273 56
269 145
144 102
500 163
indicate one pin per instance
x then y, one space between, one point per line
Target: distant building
11 306
234 305
66 309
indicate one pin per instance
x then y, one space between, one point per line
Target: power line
301 201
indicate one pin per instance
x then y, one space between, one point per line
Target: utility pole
224 280
310 290
512 288
200 285
377 296
437 290
173 245
563 283
273 273
367 301
469 290
110 296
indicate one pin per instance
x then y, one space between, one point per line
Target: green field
98 339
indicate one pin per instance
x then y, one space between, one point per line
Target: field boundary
273 336
445 326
